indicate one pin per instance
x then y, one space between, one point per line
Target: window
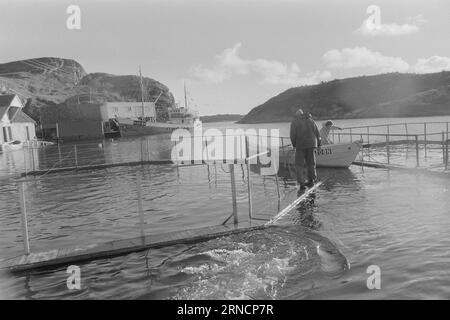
10 133
28 133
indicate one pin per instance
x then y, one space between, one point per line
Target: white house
14 123
129 110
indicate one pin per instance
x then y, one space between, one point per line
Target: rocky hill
52 81
385 95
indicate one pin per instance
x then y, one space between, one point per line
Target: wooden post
176 160
446 152
407 139
388 151
59 153
25 161
278 186
142 151
32 159
406 132
444 160
425 137
351 136
57 132
417 151
76 155
207 157
140 210
23 210
362 149
233 193
249 182
368 135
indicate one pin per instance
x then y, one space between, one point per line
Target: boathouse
83 121
14 123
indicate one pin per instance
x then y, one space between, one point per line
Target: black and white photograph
224 155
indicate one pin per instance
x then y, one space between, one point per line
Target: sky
233 55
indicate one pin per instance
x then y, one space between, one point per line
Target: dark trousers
302 157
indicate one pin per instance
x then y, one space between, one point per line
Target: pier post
140 209
407 140
444 160
76 155
446 152
351 136
25 161
59 153
368 135
406 132
23 210
32 159
425 137
233 193
388 150
417 151
207 157
249 182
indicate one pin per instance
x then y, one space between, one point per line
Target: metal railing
22 184
384 143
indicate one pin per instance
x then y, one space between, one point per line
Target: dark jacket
304 133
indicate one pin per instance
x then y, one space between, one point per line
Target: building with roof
84 121
15 125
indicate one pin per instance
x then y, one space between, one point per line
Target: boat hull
328 156
127 130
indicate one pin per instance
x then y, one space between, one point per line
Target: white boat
11 146
331 155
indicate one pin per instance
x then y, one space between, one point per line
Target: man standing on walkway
305 137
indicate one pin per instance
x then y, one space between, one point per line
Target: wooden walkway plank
119 247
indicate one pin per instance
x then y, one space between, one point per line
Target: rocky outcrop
385 95
52 81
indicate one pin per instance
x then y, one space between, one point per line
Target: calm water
360 217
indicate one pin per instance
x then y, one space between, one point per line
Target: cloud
229 63
432 64
372 26
361 57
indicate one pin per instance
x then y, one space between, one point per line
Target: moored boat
339 155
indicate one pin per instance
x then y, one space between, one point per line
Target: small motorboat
339 155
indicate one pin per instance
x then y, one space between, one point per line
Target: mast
142 92
185 96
